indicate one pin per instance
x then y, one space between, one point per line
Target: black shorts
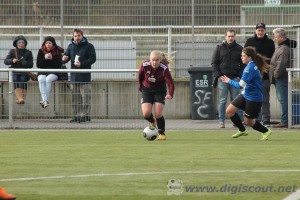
251 108
153 97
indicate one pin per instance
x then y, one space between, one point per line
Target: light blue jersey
251 82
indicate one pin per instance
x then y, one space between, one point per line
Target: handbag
31 75
64 75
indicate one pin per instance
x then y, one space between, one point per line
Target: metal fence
123 51
147 13
294 97
185 26
191 28
114 105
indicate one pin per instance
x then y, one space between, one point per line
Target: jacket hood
19 37
291 43
84 40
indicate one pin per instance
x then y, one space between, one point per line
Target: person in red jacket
6 196
154 77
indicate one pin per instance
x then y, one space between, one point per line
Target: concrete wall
110 99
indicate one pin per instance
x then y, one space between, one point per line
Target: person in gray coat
281 59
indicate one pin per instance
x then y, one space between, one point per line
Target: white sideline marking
293 196
147 173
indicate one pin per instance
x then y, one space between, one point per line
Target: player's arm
237 84
170 83
246 77
140 77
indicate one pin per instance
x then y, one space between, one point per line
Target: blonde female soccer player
154 77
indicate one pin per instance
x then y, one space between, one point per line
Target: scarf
56 51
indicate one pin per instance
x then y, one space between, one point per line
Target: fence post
298 50
41 35
10 98
169 42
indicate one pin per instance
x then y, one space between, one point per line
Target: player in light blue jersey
252 97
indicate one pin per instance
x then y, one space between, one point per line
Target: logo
175 187
202 82
152 79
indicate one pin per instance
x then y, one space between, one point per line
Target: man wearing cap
266 47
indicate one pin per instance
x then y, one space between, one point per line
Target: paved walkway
115 124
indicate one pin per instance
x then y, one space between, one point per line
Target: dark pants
81 99
20 80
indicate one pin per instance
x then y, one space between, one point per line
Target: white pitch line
293 196
148 173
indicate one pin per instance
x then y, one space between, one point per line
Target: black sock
259 127
161 124
236 120
150 118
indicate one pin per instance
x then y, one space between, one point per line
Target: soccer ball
150 133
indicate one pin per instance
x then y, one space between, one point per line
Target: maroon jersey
155 79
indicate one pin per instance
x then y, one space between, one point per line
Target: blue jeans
45 85
281 86
224 89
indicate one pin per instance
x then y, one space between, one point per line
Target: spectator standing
226 60
49 57
154 75
82 55
278 75
20 58
266 47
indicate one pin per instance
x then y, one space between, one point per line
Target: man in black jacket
82 55
226 60
266 47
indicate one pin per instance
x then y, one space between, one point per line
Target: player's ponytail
259 60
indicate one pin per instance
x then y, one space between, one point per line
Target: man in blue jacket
82 55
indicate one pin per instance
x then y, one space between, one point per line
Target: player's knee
147 115
230 112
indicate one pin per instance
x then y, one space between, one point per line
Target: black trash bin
202 97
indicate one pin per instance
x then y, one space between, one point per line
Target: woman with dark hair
252 96
49 57
20 58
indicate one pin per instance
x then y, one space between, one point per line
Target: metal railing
105 105
117 103
189 42
293 98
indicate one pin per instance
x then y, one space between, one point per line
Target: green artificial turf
71 164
